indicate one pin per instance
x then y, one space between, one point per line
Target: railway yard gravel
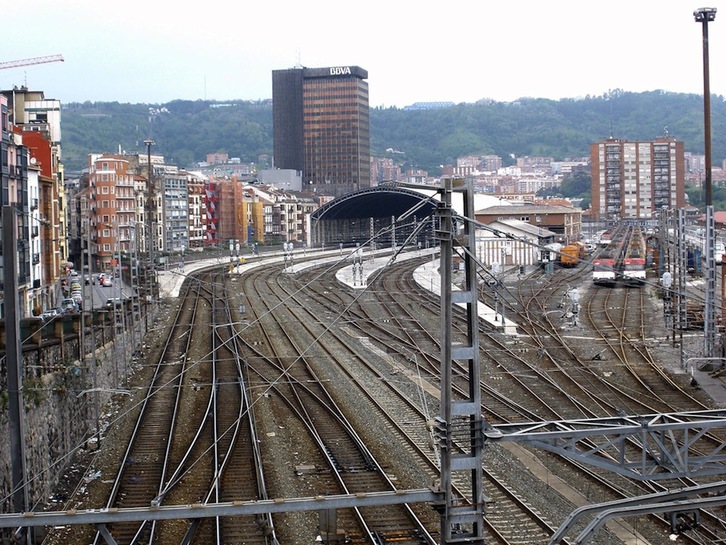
87 479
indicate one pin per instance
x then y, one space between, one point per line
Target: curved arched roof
387 201
376 202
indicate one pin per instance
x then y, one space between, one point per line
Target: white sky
458 50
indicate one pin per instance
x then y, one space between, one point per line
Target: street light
704 16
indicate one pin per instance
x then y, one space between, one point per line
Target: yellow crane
33 60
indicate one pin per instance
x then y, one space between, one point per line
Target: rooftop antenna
298 64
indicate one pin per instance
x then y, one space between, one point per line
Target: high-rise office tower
321 127
635 179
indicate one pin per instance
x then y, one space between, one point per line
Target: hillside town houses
127 210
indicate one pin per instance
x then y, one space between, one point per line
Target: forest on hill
186 131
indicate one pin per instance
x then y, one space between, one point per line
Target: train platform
707 374
353 272
427 276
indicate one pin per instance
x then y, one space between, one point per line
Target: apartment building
636 179
32 181
197 211
113 215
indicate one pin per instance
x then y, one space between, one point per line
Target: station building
564 221
383 216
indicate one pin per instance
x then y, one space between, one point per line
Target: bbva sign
340 70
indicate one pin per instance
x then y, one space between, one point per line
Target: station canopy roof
387 201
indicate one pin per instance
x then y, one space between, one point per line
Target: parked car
68 306
49 314
114 302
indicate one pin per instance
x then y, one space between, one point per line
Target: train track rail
320 389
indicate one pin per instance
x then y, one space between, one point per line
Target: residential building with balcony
636 179
112 210
32 181
197 210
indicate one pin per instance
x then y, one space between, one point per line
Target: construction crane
33 60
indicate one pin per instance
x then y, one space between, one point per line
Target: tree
576 184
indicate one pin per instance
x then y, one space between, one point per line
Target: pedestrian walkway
427 276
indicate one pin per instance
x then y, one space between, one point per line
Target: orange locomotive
571 254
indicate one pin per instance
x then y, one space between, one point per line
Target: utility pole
90 348
460 421
150 270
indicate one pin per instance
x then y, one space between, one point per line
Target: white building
511 243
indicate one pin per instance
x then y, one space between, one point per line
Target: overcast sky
157 51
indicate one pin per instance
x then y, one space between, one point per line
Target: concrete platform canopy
369 217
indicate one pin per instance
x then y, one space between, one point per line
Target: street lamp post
704 16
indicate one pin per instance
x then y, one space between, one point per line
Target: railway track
324 389
288 369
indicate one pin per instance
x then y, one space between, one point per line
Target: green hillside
186 131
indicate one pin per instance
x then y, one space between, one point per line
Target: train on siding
622 260
632 264
564 255
572 254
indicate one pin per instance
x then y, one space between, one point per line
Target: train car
633 271
631 268
571 254
605 265
605 238
603 271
